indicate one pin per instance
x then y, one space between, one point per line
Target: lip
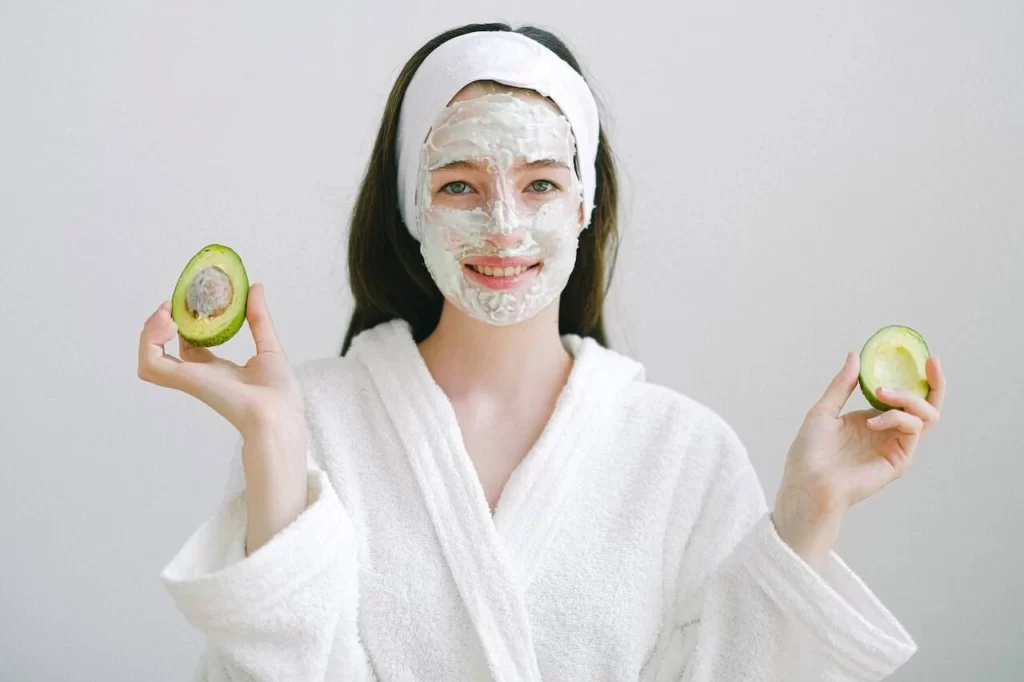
498 262
500 283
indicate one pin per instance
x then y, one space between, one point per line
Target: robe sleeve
747 607
287 612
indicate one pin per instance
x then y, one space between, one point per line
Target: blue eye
457 187
542 186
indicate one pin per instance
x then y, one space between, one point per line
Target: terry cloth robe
632 543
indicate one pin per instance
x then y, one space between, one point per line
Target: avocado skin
871 397
242 285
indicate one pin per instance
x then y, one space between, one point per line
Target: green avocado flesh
208 303
894 357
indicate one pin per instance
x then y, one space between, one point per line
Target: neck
466 355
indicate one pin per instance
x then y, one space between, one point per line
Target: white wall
797 175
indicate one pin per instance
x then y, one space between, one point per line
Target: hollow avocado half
208 303
894 357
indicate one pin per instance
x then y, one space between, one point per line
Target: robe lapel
533 502
493 560
454 499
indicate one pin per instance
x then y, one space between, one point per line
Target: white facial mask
500 130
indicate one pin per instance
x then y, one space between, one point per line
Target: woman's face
499 204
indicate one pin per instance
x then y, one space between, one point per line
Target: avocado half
208 303
894 357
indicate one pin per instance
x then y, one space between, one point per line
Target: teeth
499 272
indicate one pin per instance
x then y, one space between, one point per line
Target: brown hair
386 271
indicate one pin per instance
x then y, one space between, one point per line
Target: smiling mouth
503 276
496 272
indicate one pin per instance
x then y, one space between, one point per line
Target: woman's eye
542 186
457 187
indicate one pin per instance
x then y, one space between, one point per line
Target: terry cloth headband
508 58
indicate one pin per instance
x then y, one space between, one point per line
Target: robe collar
493 559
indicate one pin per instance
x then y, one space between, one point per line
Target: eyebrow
475 165
541 163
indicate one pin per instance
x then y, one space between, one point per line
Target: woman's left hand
837 460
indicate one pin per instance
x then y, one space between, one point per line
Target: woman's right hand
258 396
262 399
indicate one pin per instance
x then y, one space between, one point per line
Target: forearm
287 613
274 458
765 615
808 520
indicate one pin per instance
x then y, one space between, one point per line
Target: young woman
480 489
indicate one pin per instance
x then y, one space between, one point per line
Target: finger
154 364
838 392
910 402
937 382
203 356
260 322
904 422
190 353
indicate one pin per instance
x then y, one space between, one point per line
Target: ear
579 221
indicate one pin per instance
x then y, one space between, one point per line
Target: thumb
260 323
838 392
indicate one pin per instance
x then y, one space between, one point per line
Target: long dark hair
386 271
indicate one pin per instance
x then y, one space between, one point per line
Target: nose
503 233
505 239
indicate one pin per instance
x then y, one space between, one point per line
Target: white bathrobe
632 543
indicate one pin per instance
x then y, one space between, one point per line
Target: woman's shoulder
683 425
331 378
323 369
652 412
651 400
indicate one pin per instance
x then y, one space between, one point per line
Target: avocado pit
209 294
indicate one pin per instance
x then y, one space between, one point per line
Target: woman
479 489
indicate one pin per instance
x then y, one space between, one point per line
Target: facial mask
500 130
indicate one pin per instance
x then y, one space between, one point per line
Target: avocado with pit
208 303
894 357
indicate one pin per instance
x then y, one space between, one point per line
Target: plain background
796 175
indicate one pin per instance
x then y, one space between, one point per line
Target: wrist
808 524
275 433
274 456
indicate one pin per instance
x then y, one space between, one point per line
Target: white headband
508 58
